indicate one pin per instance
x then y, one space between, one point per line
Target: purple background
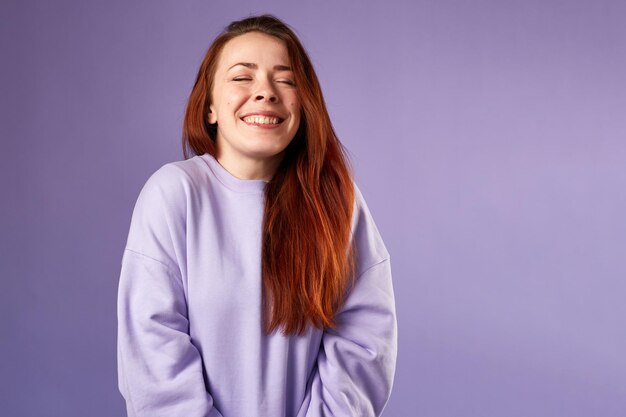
488 137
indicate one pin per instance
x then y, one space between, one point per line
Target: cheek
294 105
297 117
297 110
232 97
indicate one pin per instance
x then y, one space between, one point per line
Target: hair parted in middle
307 257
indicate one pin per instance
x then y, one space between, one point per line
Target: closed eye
242 79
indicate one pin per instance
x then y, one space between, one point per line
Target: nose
266 93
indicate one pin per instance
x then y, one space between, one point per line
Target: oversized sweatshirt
190 336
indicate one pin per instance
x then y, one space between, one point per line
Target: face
254 100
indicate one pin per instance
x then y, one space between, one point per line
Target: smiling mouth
262 120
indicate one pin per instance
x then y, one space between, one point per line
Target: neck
246 168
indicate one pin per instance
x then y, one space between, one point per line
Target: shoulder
174 178
367 240
159 219
174 184
170 190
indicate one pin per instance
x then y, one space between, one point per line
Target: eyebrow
255 66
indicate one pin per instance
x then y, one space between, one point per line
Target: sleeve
356 363
160 370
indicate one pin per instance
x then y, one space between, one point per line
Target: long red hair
307 259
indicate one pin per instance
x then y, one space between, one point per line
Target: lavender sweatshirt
190 340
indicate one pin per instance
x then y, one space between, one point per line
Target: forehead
254 47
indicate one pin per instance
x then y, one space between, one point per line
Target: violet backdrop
488 137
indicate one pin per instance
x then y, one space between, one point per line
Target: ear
212 116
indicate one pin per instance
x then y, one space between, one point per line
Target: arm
356 362
160 371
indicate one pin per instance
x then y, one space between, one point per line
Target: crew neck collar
229 180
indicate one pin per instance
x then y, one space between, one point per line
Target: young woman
254 281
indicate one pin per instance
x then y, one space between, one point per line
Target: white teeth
261 120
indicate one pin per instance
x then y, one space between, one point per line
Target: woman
254 281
